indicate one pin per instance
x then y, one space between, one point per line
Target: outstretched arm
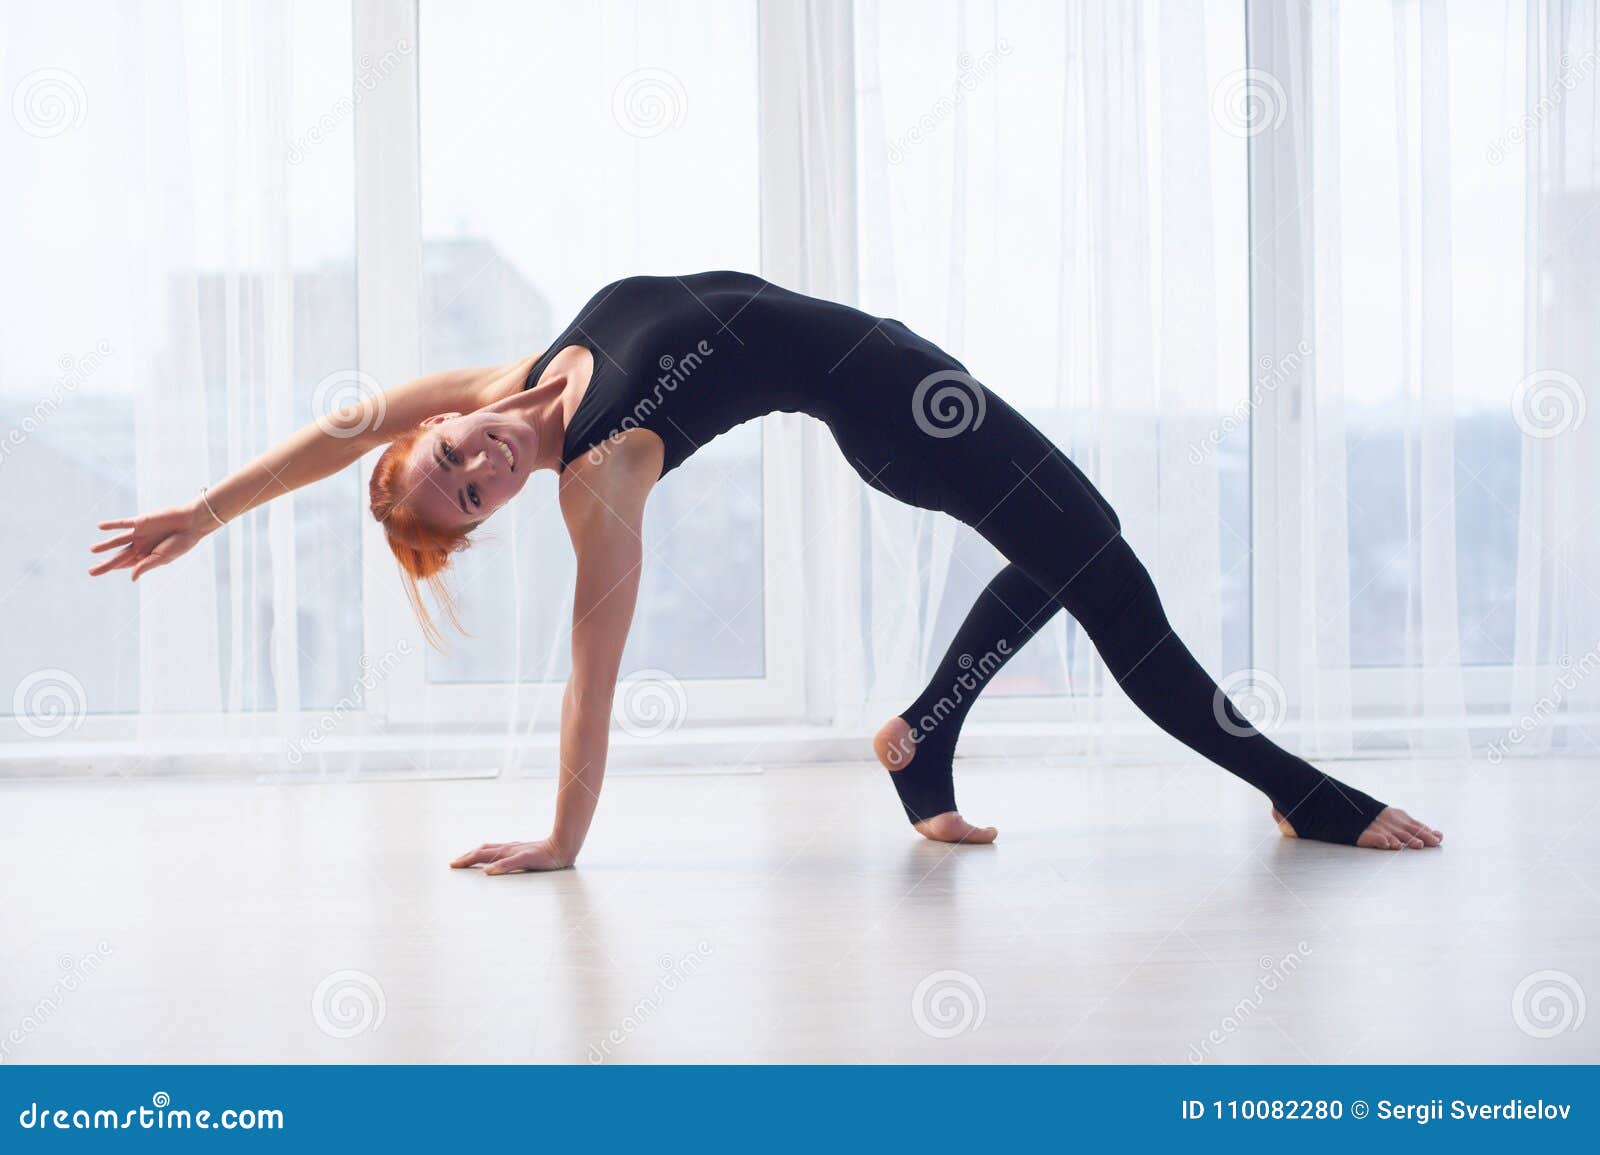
605 516
319 450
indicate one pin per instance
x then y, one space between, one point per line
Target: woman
650 370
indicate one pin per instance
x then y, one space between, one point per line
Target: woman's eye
472 496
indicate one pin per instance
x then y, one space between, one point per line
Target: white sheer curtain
179 276
1319 320
1425 187
1044 192
1056 193
1551 128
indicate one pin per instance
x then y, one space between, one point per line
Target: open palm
147 541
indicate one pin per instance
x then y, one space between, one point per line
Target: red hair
422 550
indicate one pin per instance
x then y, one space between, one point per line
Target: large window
1432 308
546 173
1012 214
1267 273
160 336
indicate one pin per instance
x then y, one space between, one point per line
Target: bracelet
207 502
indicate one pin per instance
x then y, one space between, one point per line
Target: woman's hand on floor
509 857
152 539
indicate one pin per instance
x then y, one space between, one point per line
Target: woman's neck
548 406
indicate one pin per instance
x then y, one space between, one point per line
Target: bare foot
1393 829
895 748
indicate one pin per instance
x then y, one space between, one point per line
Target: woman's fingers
488 852
521 860
122 561
112 543
533 858
118 523
146 564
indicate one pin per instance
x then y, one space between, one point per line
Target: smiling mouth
505 448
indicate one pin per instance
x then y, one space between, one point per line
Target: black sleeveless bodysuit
691 357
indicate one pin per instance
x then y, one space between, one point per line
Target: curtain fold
1551 137
178 279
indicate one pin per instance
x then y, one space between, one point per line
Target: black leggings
1003 477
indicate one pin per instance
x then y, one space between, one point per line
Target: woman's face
466 466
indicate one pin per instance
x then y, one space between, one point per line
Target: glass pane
173 304
1478 289
546 173
1020 268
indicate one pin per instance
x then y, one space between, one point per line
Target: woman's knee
1112 582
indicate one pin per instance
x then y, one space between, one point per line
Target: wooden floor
1131 914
